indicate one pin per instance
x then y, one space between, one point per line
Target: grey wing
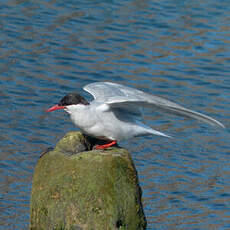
116 96
103 91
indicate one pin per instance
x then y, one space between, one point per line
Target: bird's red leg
106 145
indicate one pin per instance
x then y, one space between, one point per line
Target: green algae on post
89 190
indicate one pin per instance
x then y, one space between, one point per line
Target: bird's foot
107 145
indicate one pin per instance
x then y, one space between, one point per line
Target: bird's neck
76 109
80 115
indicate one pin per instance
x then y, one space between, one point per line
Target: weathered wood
95 189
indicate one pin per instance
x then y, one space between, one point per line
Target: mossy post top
78 189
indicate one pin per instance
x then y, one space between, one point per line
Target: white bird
114 114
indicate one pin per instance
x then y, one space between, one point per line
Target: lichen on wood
95 189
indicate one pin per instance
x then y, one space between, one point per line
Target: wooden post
95 189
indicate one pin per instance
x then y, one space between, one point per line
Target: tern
115 114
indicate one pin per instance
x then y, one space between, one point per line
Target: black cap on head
73 99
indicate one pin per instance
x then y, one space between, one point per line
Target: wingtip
219 124
223 126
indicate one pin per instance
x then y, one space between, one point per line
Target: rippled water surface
175 49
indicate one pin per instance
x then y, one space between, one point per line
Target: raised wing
116 95
103 91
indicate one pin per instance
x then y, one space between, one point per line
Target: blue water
175 49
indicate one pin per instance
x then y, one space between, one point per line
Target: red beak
55 107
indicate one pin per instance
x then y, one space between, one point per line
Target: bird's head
69 103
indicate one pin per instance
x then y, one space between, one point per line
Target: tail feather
148 131
155 132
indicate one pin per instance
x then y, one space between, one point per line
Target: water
175 49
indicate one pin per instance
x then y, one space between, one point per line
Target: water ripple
178 50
